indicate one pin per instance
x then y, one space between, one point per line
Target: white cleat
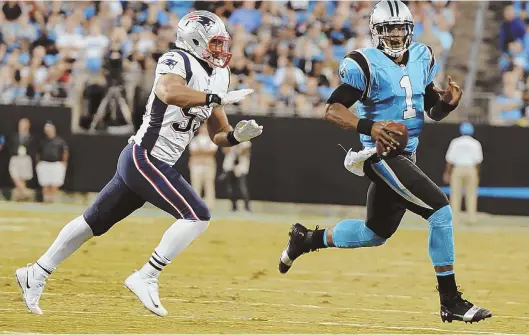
146 289
31 288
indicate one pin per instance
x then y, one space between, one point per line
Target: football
402 139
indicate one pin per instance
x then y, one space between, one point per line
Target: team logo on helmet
205 21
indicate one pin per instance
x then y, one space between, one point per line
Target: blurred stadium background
88 68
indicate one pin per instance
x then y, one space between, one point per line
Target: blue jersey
391 91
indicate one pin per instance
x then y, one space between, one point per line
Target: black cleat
299 243
453 307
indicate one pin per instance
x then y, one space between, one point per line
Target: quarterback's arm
337 108
439 103
337 112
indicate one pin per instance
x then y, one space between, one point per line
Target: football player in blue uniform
392 81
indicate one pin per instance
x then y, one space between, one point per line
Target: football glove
354 161
229 98
246 130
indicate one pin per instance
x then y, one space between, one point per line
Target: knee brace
354 234
441 237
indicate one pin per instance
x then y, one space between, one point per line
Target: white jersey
167 129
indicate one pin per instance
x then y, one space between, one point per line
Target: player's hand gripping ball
391 138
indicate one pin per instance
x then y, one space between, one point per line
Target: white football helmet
391 25
203 34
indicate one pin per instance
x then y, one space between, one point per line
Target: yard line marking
258 289
221 301
231 321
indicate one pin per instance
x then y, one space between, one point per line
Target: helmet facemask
218 51
393 38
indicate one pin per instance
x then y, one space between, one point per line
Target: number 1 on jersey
410 112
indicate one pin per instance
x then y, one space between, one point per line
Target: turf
227 281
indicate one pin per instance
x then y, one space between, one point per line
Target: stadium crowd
288 51
513 101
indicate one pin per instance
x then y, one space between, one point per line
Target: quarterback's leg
425 198
115 202
384 213
165 188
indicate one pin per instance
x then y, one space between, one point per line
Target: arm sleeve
436 108
430 97
171 62
346 95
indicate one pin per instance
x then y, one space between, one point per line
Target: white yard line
262 289
256 320
232 302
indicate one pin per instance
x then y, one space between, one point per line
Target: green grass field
227 281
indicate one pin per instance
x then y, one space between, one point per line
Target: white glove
354 161
246 130
229 98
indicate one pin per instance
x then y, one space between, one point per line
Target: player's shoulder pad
177 62
355 70
423 51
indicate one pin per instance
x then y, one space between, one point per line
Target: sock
71 237
174 240
447 282
441 237
155 265
354 234
319 239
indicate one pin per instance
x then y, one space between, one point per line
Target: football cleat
453 307
146 289
31 288
299 243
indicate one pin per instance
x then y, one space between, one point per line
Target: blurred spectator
70 41
21 147
235 167
12 10
247 16
203 165
463 160
96 43
511 29
509 107
52 160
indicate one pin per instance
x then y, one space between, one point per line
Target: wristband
364 126
231 139
213 100
445 106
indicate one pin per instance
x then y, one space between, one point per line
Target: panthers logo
342 72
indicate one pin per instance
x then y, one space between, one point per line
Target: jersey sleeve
352 74
433 67
171 62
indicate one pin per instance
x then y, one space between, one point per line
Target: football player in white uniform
190 87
